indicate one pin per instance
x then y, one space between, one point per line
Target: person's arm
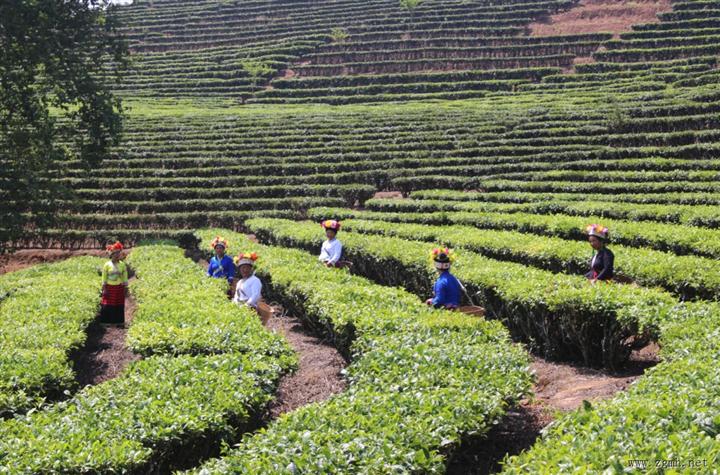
323 252
104 277
231 271
607 270
335 253
254 292
236 295
125 279
210 268
440 294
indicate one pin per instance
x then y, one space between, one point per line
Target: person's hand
428 302
593 281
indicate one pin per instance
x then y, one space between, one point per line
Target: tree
410 5
58 59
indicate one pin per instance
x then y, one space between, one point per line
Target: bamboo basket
265 311
472 310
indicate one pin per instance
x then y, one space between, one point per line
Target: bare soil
24 258
105 354
558 388
600 16
389 194
319 370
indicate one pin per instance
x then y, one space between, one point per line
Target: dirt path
319 370
105 354
24 258
558 388
389 194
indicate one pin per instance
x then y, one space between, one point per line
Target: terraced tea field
489 127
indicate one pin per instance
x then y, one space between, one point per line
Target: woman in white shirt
249 288
331 250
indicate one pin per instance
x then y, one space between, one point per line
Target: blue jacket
224 268
447 291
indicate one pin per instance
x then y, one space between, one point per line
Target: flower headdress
442 257
218 240
331 224
246 258
597 230
116 247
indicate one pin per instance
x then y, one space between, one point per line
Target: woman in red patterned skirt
114 287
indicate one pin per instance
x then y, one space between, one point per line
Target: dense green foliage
171 409
44 315
52 54
561 315
420 380
164 322
690 277
243 111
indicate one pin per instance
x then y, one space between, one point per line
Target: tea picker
448 291
248 291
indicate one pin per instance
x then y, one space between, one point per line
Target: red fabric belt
114 295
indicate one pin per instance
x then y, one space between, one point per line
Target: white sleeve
324 256
335 252
253 292
236 297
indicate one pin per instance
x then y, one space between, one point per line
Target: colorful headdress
218 241
116 247
331 224
597 230
246 258
442 257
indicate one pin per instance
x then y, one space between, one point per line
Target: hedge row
579 205
408 184
44 315
674 238
164 323
562 316
677 198
687 276
170 410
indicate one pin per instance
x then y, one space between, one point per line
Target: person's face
245 271
330 233
595 242
220 251
115 256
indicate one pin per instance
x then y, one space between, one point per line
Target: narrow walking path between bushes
559 387
105 353
24 258
320 365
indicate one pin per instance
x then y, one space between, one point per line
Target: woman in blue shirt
221 266
446 291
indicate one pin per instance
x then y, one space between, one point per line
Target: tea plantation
416 124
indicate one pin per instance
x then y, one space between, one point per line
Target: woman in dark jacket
603 260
